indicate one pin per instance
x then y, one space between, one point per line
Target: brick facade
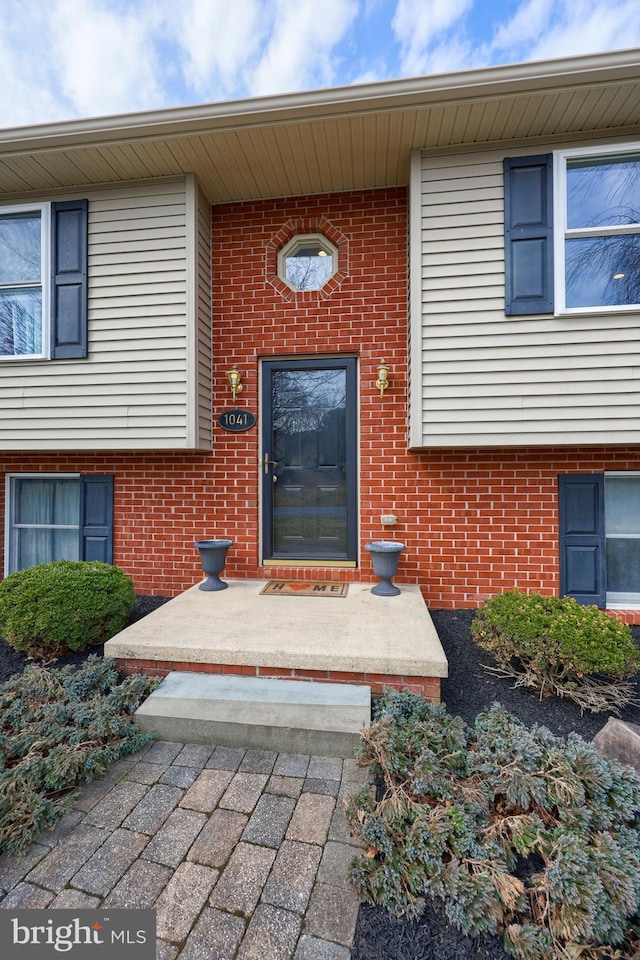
427 687
475 521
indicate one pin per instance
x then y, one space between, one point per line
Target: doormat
298 588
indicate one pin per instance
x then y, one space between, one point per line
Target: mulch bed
13 662
468 690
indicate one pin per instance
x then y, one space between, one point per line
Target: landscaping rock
619 741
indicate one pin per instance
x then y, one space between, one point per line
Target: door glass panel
309 470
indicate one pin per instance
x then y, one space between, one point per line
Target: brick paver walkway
242 853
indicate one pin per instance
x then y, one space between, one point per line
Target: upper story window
24 233
307 262
598 230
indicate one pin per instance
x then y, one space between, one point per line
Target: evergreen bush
555 645
516 831
58 729
65 606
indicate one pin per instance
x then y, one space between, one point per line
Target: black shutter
528 234
69 279
96 518
582 544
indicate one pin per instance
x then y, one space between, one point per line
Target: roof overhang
329 140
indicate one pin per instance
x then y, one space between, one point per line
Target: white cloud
221 38
300 50
587 26
66 58
441 36
27 79
420 24
544 29
528 24
257 47
106 57
455 54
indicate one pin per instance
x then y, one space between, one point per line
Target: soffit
331 140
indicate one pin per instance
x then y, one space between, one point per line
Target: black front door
309 458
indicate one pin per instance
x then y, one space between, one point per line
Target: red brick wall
475 522
363 312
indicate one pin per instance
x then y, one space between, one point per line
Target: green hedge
66 606
558 646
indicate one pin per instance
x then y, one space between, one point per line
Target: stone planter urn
213 556
385 555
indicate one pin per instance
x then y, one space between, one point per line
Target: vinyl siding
480 378
203 330
135 388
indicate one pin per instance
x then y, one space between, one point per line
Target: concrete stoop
285 716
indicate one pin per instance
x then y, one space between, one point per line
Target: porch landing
360 638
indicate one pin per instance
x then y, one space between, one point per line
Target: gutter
466 86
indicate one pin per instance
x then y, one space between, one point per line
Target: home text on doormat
299 588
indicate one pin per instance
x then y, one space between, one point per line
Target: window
600 538
598 220
307 262
58 517
24 244
45 520
622 538
43 281
572 232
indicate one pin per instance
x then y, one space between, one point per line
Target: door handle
267 461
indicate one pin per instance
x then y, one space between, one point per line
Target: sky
67 59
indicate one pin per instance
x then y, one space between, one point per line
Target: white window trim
301 238
615 600
45 270
560 230
9 499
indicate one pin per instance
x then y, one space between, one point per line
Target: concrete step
286 716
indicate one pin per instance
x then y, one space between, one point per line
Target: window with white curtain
43 520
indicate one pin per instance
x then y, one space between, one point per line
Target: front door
309 457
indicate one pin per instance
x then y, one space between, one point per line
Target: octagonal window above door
307 262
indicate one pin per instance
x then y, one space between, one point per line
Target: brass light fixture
383 377
234 378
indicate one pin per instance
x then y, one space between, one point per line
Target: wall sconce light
233 376
383 377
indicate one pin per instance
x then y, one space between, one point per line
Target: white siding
203 314
488 379
135 387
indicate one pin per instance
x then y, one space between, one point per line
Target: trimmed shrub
517 832
557 646
58 729
55 608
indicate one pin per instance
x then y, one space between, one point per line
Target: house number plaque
237 420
